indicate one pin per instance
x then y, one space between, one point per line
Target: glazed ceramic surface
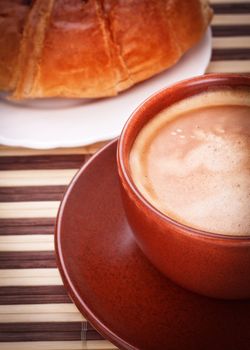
117 288
210 264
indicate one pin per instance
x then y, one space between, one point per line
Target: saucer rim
105 331
173 295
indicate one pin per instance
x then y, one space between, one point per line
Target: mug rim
222 80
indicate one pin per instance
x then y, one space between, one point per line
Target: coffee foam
194 170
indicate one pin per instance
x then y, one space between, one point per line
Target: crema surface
192 162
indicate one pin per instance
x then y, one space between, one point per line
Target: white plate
67 123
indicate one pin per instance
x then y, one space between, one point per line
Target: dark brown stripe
34 226
33 295
236 8
234 30
34 299
46 327
231 54
27 260
69 161
49 336
32 193
49 331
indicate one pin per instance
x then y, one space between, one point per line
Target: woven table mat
35 311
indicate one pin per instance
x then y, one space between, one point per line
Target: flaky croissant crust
93 48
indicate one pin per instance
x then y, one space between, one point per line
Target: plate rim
51 144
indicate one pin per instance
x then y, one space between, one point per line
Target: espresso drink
192 162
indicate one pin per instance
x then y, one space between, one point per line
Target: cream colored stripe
10 210
236 66
20 151
229 1
29 277
226 20
36 177
40 312
40 317
38 308
60 345
242 42
26 243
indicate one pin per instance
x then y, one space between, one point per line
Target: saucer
116 288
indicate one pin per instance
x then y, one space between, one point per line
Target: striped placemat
35 311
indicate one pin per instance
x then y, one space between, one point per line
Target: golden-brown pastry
96 48
12 19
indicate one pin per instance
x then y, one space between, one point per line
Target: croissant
93 48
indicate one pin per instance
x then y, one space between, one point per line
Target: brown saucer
118 290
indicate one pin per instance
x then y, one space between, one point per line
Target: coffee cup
183 163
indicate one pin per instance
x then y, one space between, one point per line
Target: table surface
35 311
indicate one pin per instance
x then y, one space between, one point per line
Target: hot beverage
192 162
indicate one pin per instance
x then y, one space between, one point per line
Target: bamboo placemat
35 311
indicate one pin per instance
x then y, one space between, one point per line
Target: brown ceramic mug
211 264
